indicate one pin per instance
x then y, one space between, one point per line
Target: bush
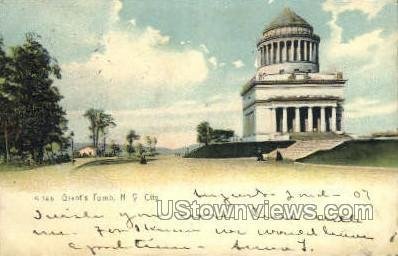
62 158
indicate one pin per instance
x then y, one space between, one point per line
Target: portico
305 118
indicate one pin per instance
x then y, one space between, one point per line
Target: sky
161 67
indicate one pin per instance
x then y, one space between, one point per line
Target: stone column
286 52
263 54
278 47
309 120
291 50
333 120
284 122
294 50
260 57
315 51
342 124
305 50
311 57
266 55
297 120
284 55
323 122
273 120
269 54
271 60
299 50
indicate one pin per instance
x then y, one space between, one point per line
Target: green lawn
110 161
378 153
12 167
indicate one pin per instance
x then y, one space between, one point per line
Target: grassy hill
371 152
237 149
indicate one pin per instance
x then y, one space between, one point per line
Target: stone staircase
304 148
318 136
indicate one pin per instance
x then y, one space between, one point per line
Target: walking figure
259 155
143 159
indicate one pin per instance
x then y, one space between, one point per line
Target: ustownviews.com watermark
184 210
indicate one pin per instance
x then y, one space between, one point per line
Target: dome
287 18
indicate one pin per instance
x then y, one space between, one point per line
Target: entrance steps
304 148
318 136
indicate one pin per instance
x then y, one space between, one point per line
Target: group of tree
31 117
139 148
100 123
131 137
206 134
151 143
116 149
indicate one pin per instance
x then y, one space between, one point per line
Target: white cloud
140 58
370 7
368 61
362 107
270 1
371 54
137 66
213 61
365 48
143 59
238 63
185 42
117 6
362 46
204 48
133 22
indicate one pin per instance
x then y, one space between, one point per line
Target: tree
40 119
31 118
219 135
148 141
154 143
71 137
99 123
204 133
8 117
115 149
105 121
131 137
91 115
5 103
6 114
139 149
151 143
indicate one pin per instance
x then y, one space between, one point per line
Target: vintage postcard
207 127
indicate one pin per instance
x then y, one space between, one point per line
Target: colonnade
305 119
288 51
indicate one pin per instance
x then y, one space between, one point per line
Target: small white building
288 94
87 151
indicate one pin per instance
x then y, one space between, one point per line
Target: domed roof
287 18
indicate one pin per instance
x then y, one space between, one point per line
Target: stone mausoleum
288 95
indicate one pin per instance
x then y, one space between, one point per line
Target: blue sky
160 67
